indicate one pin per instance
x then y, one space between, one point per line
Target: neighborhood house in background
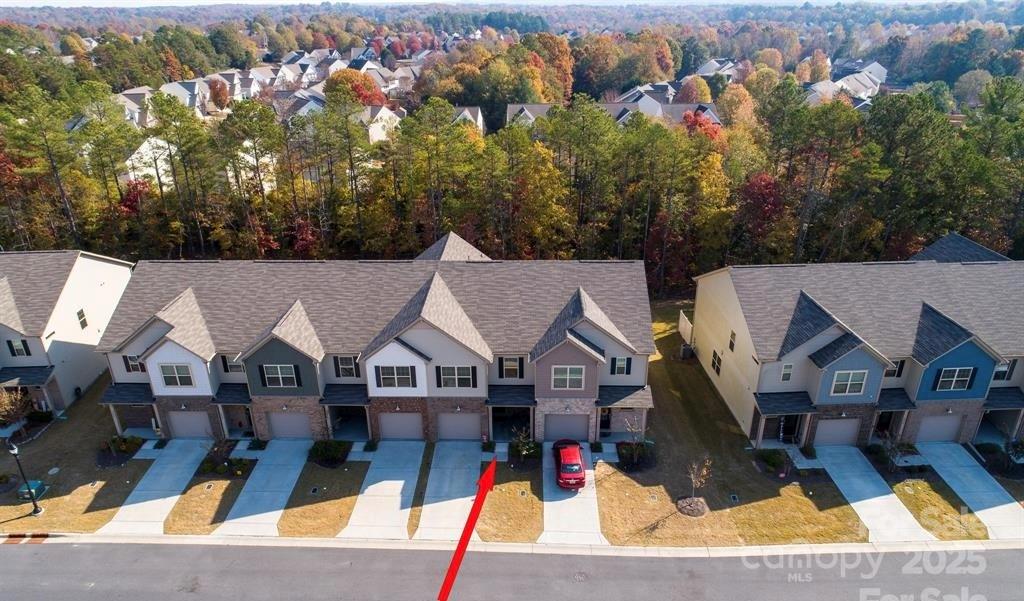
849 353
451 345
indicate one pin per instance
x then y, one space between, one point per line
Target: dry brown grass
204 505
327 512
513 511
421 489
937 508
688 420
82 497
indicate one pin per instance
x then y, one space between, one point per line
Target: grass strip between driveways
204 505
326 512
421 489
514 511
938 509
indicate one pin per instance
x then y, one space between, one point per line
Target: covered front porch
34 382
345 406
781 419
894 405
233 401
1004 416
510 410
622 412
133 409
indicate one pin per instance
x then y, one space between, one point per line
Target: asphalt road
165 572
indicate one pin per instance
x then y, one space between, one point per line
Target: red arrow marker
483 486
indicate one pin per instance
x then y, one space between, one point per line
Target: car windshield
572 468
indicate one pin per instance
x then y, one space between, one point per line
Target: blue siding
967 354
858 359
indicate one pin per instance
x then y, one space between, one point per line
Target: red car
569 472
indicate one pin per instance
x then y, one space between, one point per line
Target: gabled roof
954 248
8 308
34 282
434 304
809 319
835 350
579 308
188 328
294 329
452 247
936 335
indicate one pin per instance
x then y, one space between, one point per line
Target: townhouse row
928 349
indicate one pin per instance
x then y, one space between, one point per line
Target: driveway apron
886 517
385 499
263 498
570 517
1000 513
146 508
451 488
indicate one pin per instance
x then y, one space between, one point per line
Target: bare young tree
892 451
699 471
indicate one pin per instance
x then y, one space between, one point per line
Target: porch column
805 425
117 421
159 424
903 424
330 426
760 430
490 424
369 430
223 421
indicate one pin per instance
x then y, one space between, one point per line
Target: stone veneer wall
428 408
263 405
576 406
972 412
865 411
166 404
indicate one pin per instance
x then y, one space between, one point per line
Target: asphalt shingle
954 248
835 350
35 280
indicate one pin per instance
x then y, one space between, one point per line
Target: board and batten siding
568 354
968 354
395 354
170 353
528 371
276 352
138 345
444 351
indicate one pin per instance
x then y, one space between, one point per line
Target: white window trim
236 367
134 364
512 362
280 375
620 366
716 357
954 378
177 375
394 376
342 367
20 347
895 370
787 372
1003 368
583 377
863 383
468 377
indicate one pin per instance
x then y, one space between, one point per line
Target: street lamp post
13 450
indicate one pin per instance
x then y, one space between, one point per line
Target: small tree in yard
14 405
636 434
893 452
699 471
522 443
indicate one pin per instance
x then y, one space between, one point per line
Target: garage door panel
190 424
573 427
458 426
401 426
290 425
940 428
837 432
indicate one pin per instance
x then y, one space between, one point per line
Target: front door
606 419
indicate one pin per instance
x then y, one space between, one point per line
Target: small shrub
127 445
875 451
634 456
329 452
775 459
526 449
257 445
596 447
207 466
370 446
1015 449
221 469
489 446
39 417
809 452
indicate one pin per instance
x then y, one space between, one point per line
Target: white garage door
290 425
190 424
458 426
573 427
837 431
939 428
401 426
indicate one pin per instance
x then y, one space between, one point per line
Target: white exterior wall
142 341
912 372
38 358
717 312
638 375
217 366
444 351
171 353
396 354
806 375
528 371
901 381
1018 375
152 161
95 286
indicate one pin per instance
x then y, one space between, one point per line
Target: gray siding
567 354
276 352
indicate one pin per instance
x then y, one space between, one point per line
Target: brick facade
866 412
972 412
558 406
262 406
429 409
164 405
135 416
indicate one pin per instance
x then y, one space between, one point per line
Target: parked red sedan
569 472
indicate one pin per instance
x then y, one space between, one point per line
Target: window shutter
298 376
263 377
127 367
10 347
337 366
899 367
376 372
224 362
612 362
437 372
473 371
1009 370
522 374
938 374
629 365
355 364
412 375
970 381
28 351
142 366
501 368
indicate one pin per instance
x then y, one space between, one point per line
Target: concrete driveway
451 488
887 519
1000 513
385 499
570 517
146 508
263 498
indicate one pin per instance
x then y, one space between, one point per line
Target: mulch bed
28 432
523 465
106 459
693 507
647 460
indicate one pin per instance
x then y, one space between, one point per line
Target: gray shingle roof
954 248
8 308
580 307
835 350
36 280
1005 397
232 394
511 303
511 396
771 404
188 328
809 319
294 329
937 334
127 394
345 394
625 396
25 376
452 247
882 302
894 399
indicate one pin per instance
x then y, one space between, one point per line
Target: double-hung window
897 370
176 375
955 378
849 382
395 376
82 321
716 362
732 341
510 368
567 377
132 364
1004 371
345 366
620 366
456 377
280 376
19 348
787 372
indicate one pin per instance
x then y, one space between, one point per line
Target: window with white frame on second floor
1004 371
787 372
132 364
510 368
455 377
19 348
849 382
82 321
897 369
231 367
954 378
716 362
346 366
567 377
621 366
281 376
176 375
396 376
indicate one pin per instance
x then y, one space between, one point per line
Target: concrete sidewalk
385 499
1001 514
146 508
886 517
451 488
266 492
570 517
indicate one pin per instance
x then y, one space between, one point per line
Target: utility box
37 487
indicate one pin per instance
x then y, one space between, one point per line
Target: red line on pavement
483 486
